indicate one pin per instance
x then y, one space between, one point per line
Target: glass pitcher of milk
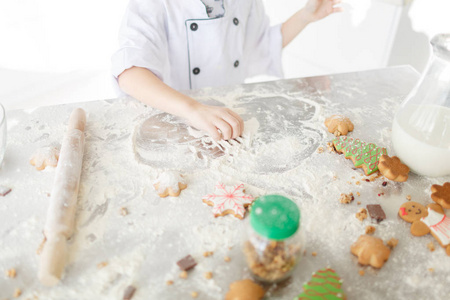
421 127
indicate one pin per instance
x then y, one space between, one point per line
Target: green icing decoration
361 153
324 284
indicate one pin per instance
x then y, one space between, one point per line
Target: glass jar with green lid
275 240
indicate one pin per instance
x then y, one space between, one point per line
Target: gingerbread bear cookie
364 155
324 284
169 183
430 219
229 200
339 125
392 168
441 194
371 251
245 290
45 157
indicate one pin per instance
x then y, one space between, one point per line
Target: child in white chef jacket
170 45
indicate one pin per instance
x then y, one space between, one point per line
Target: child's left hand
318 9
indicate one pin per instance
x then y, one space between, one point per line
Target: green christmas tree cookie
324 284
364 155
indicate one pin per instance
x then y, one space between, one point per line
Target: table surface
129 144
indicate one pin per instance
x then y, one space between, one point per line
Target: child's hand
318 9
212 119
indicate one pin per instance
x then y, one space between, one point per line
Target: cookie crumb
330 147
431 246
392 243
11 273
361 273
129 292
359 202
184 274
227 259
337 133
102 264
346 198
314 254
357 183
123 211
320 150
370 229
194 294
208 275
17 293
408 197
361 214
431 270
207 253
169 282
358 194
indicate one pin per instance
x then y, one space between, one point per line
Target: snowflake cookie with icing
169 183
229 200
44 157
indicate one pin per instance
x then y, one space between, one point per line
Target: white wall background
56 51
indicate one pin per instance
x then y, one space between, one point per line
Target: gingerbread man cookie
392 168
44 157
441 194
245 290
364 155
430 219
339 125
229 200
169 183
371 251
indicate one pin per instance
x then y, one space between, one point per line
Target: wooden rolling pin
60 221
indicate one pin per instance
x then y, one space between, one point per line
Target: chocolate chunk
376 212
187 263
129 292
4 190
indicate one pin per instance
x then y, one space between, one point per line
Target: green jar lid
275 217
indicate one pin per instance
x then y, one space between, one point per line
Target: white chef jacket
181 45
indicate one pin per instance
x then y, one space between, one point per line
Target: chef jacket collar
203 14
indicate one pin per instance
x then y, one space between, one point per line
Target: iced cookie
370 251
169 183
441 194
339 125
245 290
430 219
392 168
364 155
229 200
44 157
324 284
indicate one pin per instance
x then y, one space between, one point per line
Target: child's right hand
218 122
